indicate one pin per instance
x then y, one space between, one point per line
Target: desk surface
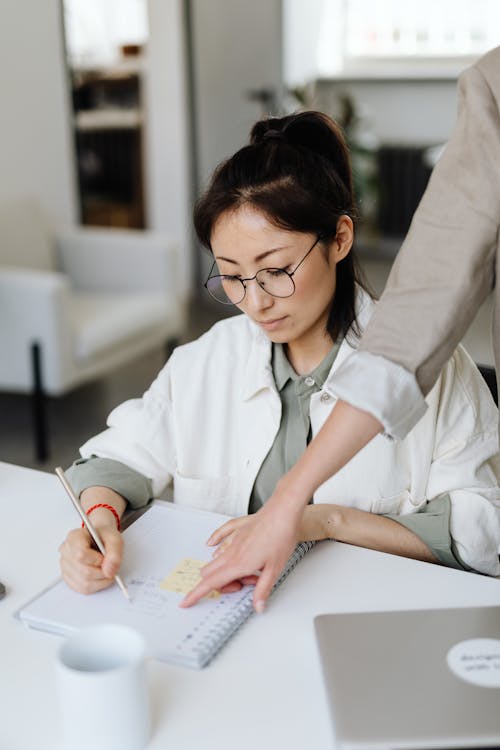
263 690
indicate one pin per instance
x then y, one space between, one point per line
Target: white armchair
78 303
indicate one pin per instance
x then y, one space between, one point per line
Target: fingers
84 568
206 585
219 582
223 545
238 585
217 562
113 544
249 580
77 547
263 588
87 586
231 588
263 544
223 531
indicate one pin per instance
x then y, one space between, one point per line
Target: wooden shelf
108 119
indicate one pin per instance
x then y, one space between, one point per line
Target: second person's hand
262 544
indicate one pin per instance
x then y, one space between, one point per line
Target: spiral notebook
164 550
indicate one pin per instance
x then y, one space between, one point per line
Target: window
95 29
386 37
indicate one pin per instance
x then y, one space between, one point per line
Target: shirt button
325 397
309 381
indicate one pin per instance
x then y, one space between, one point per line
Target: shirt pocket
215 494
397 503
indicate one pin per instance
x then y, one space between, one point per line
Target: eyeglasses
231 290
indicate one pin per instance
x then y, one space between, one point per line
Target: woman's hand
83 567
261 546
313 526
223 537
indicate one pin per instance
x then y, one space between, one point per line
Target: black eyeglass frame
290 274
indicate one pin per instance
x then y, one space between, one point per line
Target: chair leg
39 405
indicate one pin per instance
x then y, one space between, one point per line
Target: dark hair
297 171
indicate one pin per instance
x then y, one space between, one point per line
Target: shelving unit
108 131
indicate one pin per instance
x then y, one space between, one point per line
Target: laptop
414 679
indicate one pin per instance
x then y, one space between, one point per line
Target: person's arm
444 270
364 529
342 524
269 537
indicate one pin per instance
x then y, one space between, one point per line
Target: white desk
262 691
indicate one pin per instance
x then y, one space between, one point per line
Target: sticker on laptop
476 661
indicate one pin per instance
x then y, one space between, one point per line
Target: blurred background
114 114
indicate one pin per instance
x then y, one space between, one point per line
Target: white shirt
212 414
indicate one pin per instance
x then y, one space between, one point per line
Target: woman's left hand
312 527
221 539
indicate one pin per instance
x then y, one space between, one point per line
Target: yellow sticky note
185 576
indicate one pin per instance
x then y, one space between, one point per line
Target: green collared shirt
295 428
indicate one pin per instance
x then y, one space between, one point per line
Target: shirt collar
283 370
259 375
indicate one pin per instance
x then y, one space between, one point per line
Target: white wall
35 137
395 111
237 48
167 172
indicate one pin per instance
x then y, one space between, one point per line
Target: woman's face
245 241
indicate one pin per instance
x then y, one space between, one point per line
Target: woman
232 412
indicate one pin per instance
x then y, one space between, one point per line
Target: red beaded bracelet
108 507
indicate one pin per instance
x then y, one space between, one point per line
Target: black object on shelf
110 176
402 179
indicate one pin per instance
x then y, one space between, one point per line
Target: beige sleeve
446 266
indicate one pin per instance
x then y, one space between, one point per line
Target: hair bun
269 129
273 135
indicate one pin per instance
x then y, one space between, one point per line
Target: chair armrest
34 308
119 260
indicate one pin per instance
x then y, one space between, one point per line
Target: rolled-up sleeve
382 388
443 271
134 487
432 525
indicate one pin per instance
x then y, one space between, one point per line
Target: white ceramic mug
103 692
